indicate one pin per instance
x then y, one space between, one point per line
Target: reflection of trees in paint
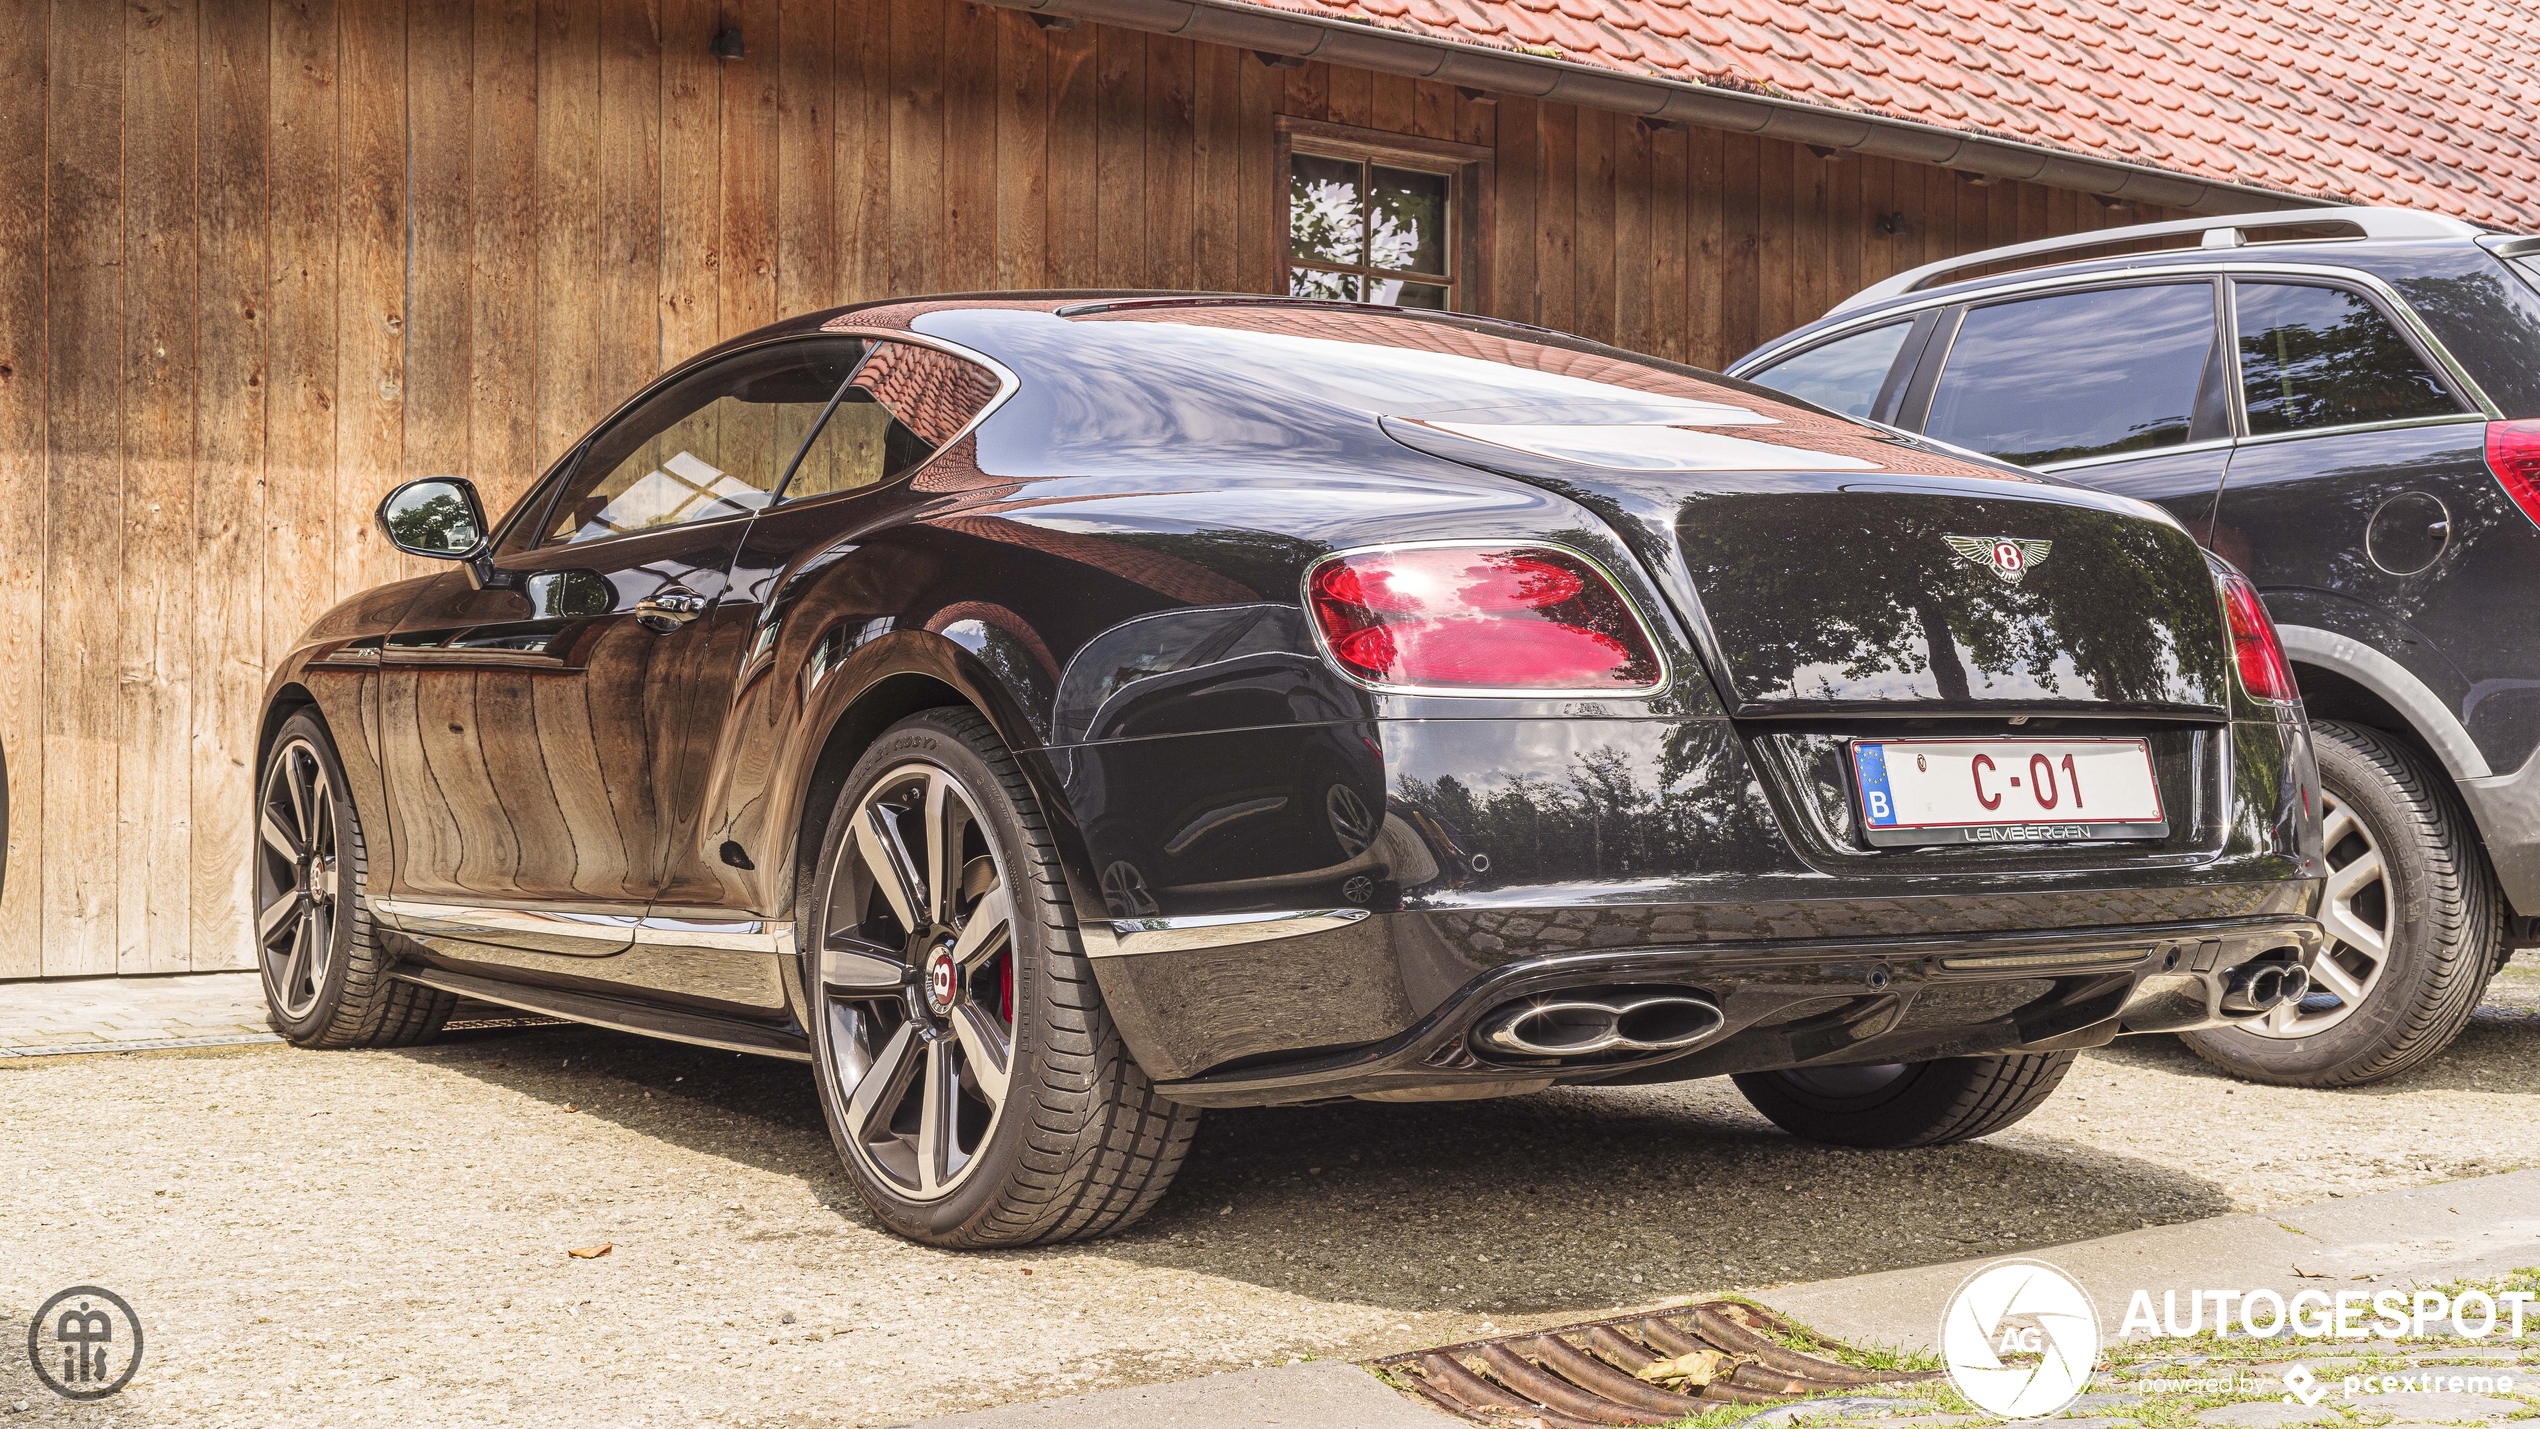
1603 817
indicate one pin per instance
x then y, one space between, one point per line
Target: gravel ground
321 1238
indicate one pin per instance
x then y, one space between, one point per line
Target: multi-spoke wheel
2414 921
973 1084
917 981
325 973
296 876
2355 909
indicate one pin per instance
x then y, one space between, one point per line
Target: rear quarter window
2314 357
1844 375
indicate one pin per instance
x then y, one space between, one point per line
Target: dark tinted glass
2076 375
1327 218
2324 357
1842 376
1407 221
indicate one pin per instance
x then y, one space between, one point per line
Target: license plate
1956 791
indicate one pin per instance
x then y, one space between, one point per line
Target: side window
717 443
2075 375
1844 375
2313 357
904 403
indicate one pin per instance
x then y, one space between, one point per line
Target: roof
2422 105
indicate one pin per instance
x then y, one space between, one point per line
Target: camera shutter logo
85 1343
2020 1338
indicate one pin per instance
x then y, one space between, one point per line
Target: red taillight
1479 618
2264 672
2513 453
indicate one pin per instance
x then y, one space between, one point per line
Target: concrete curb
2425 1234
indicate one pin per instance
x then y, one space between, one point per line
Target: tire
1080 1145
325 974
1906 1103
2427 895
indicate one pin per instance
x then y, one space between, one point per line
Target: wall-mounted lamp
1826 152
727 44
1891 223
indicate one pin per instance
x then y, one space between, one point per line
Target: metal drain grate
1591 1376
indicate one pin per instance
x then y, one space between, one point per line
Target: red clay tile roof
2423 103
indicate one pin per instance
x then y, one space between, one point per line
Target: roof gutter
1339 41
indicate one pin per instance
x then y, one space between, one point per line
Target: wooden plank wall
269 257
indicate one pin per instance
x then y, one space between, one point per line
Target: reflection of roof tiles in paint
2424 104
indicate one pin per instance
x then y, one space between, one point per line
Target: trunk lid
1850 572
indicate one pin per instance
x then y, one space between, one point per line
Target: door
2122 388
541 717
2362 483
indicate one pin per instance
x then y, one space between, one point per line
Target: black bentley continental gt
1049 715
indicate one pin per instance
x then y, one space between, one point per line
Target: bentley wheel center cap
942 981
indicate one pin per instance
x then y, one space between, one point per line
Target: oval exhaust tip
1594 1024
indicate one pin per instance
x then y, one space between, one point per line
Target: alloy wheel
917 982
298 878
2356 912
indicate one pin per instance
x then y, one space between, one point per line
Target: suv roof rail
2219 230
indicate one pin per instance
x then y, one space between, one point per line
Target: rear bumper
1799 1003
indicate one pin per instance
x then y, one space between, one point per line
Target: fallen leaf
568 1106
2310 1274
1694 1369
593 1252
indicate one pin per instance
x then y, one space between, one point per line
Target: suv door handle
667 609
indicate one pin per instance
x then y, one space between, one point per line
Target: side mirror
438 517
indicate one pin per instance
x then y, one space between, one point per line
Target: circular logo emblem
2020 1338
2009 556
941 980
85 1343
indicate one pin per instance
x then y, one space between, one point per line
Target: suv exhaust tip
1590 1023
2262 987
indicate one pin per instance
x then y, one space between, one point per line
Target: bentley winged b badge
2006 556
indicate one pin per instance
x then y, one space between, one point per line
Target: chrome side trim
619 930
460 920
752 935
1130 937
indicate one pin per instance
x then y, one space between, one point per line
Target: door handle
667 609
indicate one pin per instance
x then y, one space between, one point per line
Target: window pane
2076 374
1326 212
1407 221
2323 357
1309 283
1842 376
1407 295
714 445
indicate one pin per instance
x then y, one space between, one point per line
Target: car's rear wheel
971 1079
1906 1103
325 973
2415 923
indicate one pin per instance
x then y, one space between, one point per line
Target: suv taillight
2264 672
1478 618
2513 454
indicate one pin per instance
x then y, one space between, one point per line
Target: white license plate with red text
1952 791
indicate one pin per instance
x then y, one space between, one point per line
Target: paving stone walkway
132 1014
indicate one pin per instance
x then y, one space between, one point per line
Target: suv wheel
325 973
2414 918
975 1087
1906 1103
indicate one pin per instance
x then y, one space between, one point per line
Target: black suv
2346 404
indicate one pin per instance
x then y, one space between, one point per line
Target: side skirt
700 1029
